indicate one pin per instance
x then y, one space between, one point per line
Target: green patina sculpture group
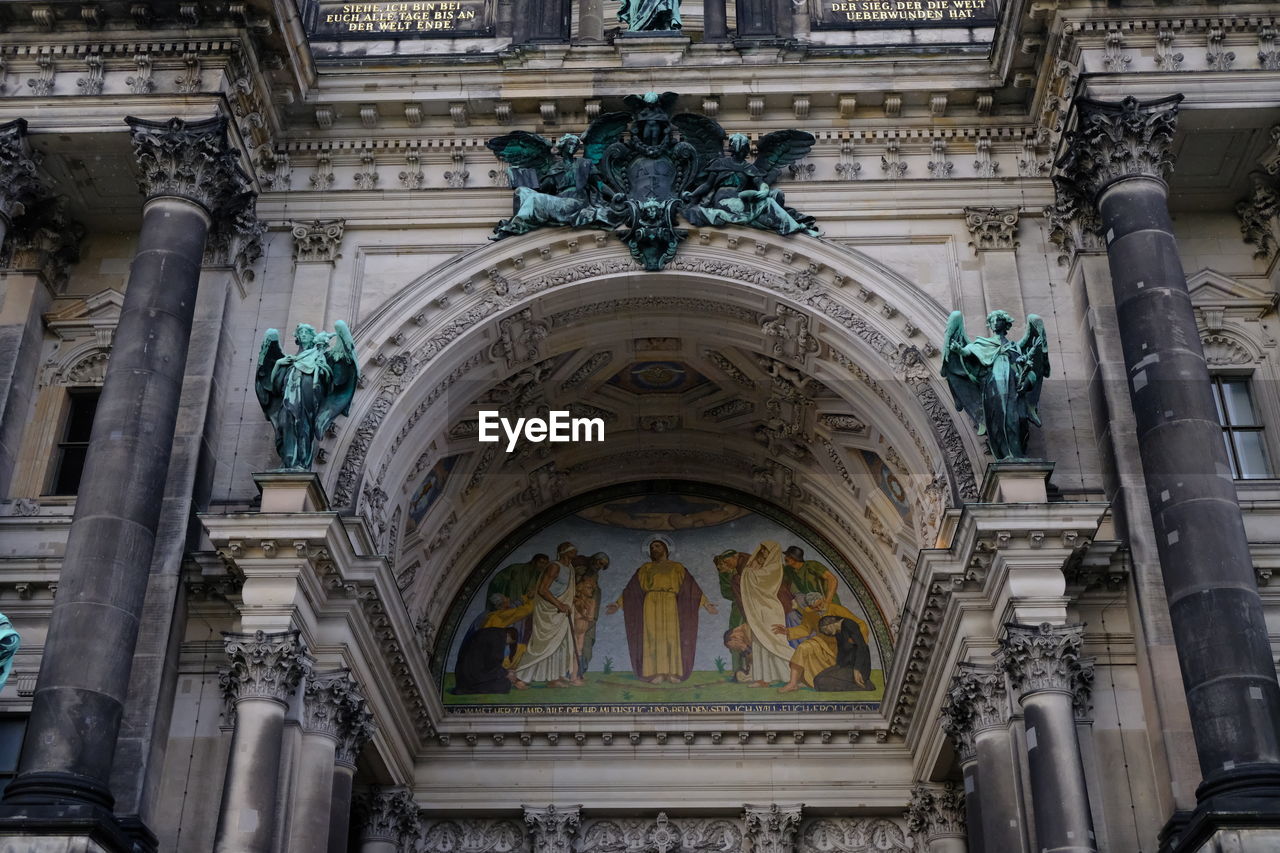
302 394
641 170
998 381
650 15
10 642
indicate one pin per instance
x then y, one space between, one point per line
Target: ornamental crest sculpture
997 381
642 170
302 394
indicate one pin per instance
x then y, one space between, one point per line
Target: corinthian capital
772 828
191 160
936 811
551 829
1043 657
19 183
263 666
976 701
1115 141
992 227
326 696
318 241
355 727
387 814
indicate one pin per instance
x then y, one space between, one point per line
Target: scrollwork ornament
1114 141
1041 658
191 160
263 666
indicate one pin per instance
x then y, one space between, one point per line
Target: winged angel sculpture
997 381
303 394
643 169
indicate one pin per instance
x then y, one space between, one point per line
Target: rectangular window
74 446
1241 429
12 730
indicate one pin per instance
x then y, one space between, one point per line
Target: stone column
265 670
978 703
957 722
189 174
388 817
1044 668
325 700
1117 159
591 21
771 828
994 237
315 251
552 828
936 815
715 21
355 730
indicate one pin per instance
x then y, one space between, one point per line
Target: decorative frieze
552 828
992 227
317 242
190 160
935 811
1044 657
386 814
263 666
772 828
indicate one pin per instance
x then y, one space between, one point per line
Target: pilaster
316 247
994 238
552 828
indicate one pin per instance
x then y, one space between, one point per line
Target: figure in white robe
550 654
761 578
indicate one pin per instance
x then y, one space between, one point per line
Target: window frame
1229 430
61 444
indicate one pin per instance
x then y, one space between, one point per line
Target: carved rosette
552 829
992 227
19 183
1042 658
191 160
387 814
317 242
936 811
976 701
1116 141
263 666
772 828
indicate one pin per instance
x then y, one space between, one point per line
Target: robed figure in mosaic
660 608
302 394
998 380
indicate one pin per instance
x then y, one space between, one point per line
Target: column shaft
314 799
949 845
23 301
340 807
591 20
1003 828
973 806
1058 793
715 21
247 816
1223 648
76 710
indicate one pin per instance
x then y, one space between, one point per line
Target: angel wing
1034 347
523 150
344 373
705 135
966 392
268 355
602 133
780 149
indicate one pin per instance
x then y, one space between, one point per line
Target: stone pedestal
650 49
291 491
1016 482
265 670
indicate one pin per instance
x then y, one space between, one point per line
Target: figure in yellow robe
817 652
660 607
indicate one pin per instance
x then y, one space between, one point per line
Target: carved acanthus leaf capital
992 227
1114 141
317 241
19 183
45 239
191 160
976 701
263 666
772 828
386 814
936 811
1042 657
326 697
1258 216
552 828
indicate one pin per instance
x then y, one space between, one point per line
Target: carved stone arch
83 330
1227 349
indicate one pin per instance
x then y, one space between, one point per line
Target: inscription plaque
863 14
328 20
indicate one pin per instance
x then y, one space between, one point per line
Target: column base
1236 824
70 828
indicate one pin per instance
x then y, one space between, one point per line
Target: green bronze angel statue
650 15
997 380
302 394
10 642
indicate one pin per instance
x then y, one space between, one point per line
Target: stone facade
1075 652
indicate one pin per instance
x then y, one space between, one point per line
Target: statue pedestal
651 49
1016 482
291 491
